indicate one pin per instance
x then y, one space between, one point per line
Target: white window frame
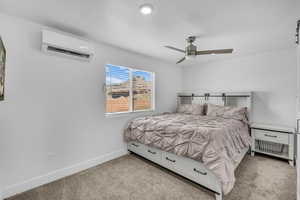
152 109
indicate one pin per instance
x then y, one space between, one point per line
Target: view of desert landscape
120 104
118 93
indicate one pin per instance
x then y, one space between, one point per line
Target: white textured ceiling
247 26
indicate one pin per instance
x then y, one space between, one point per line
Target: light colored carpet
133 178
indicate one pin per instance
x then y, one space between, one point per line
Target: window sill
127 114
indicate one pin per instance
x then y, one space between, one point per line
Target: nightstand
273 140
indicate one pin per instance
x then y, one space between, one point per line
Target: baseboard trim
58 174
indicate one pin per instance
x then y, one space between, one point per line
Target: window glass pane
117 89
142 84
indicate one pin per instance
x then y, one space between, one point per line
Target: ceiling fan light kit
191 50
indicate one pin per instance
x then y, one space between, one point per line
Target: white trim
147 110
297 125
153 91
117 113
130 91
58 174
298 84
126 114
298 165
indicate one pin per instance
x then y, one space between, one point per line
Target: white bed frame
186 167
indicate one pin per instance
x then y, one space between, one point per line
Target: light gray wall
271 75
53 113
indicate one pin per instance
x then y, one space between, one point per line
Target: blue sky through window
117 75
146 75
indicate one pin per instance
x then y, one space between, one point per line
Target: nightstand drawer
277 137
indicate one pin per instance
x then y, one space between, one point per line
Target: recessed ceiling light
146 9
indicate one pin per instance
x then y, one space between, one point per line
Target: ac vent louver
68 52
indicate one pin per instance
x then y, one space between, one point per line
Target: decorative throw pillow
195 109
183 108
238 113
214 110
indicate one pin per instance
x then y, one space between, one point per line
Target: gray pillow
194 109
238 113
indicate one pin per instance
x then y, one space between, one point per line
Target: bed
203 148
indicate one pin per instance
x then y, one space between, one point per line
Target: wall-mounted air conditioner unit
66 45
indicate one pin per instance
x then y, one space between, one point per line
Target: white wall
271 75
53 115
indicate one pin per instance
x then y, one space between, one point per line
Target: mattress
216 142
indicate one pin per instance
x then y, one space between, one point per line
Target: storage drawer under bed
137 148
153 154
196 171
145 151
189 168
169 160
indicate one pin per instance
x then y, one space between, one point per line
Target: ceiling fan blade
216 51
181 60
176 49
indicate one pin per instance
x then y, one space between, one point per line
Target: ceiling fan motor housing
191 51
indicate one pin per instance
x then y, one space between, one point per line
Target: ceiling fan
191 50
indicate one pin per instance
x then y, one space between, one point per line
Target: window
128 90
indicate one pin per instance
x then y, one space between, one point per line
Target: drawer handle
273 136
152 152
135 145
199 172
170 160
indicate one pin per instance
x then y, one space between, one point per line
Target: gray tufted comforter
214 141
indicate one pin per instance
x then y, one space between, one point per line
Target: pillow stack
230 112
